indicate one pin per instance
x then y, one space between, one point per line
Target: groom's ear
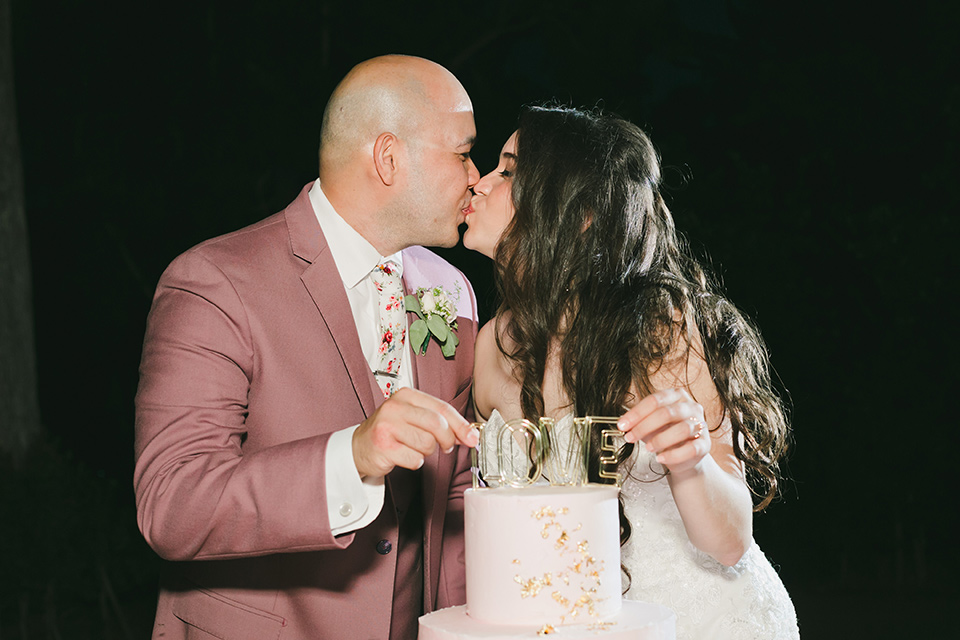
385 151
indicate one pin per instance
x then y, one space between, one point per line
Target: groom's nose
473 174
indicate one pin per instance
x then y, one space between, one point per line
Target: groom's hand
405 429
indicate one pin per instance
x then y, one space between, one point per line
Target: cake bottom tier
636 621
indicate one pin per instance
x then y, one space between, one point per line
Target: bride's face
491 208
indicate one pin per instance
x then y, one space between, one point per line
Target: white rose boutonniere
437 317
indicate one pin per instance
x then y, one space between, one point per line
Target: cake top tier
542 554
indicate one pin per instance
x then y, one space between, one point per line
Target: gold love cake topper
520 453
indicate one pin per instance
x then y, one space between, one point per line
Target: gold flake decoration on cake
581 569
602 626
530 588
546 630
542 513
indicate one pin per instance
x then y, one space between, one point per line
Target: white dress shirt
353 503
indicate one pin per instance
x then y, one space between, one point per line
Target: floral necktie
393 325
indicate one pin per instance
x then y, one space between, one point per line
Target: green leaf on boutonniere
438 328
419 336
437 318
412 303
450 346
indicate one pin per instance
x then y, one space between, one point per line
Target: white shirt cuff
352 503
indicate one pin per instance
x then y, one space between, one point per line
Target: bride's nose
482 187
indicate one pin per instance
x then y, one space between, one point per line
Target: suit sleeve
198 495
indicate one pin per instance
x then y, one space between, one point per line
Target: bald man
294 492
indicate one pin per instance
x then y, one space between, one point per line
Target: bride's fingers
681 455
676 433
651 413
649 404
662 418
685 454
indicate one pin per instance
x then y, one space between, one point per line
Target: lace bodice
744 602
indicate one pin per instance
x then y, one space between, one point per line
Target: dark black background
810 150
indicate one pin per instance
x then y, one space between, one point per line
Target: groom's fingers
467 435
423 430
444 422
405 429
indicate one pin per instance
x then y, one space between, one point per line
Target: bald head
395 152
399 94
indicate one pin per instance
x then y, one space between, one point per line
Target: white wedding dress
712 601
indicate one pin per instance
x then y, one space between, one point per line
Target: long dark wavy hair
593 261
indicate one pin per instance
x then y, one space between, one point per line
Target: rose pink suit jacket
251 361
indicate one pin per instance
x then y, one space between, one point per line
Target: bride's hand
671 425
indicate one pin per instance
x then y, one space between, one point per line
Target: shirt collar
354 256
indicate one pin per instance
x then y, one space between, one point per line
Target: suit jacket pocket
220 617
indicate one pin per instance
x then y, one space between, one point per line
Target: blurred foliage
72 559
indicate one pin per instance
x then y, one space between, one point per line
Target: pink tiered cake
542 560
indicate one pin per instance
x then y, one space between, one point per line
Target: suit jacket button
384 547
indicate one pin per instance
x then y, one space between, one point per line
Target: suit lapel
327 292
324 285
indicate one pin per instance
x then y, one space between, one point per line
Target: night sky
810 156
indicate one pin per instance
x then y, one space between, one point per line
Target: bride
603 308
